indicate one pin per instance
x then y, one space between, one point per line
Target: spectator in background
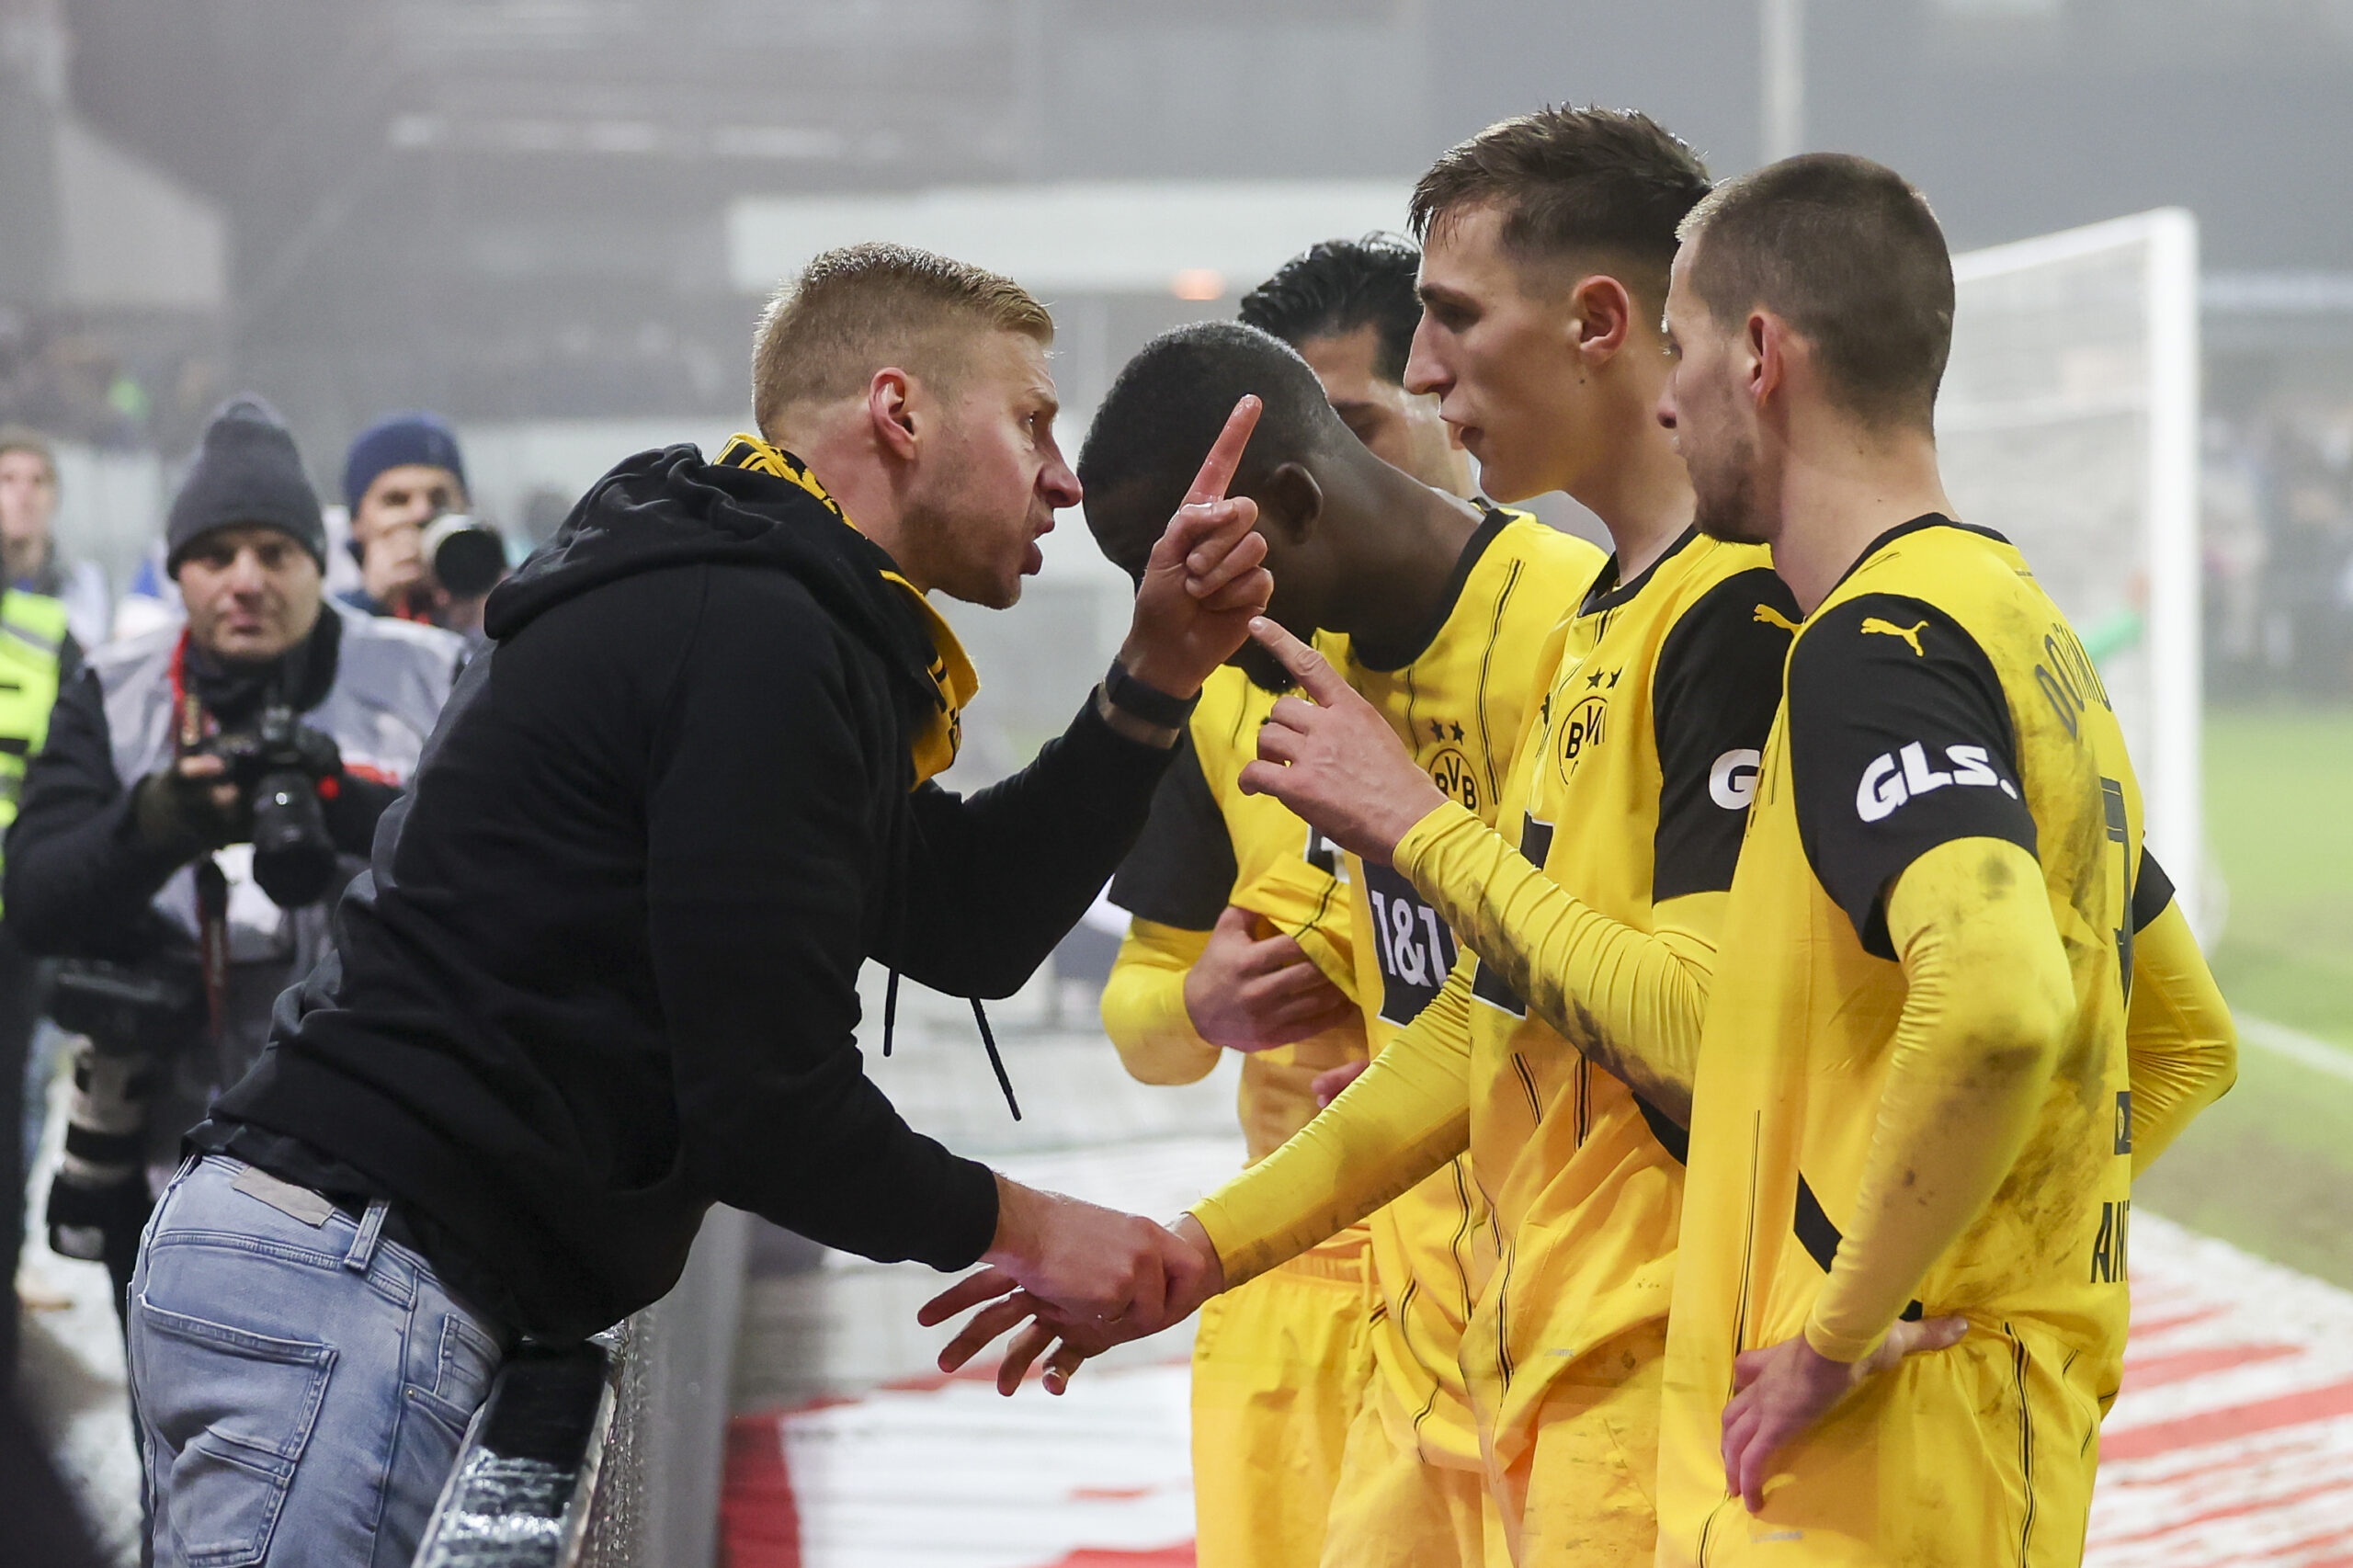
1350 307
29 552
402 471
36 651
185 887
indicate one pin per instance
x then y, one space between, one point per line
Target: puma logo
1768 616
1889 628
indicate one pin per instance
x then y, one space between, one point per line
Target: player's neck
1639 490
1402 557
1839 495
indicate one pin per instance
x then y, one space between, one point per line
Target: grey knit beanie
246 474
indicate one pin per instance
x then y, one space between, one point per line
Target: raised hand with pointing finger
1206 577
1333 759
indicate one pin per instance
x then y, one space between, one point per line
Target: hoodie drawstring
988 1040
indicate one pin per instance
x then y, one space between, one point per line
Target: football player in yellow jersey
1240 940
1428 602
1952 1010
1926 1046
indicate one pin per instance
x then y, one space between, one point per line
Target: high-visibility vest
32 633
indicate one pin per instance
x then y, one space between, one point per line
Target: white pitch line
2305 1050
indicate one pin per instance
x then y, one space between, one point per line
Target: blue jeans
303 1385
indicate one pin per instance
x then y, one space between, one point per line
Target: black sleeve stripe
1712 698
1181 869
1900 740
2151 891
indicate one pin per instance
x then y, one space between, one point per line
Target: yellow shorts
1280 1367
1393 1510
1980 1454
1583 1492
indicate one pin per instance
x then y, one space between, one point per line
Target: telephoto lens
469 556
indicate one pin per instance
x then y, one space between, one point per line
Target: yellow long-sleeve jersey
1916 1086
1458 702
1208 846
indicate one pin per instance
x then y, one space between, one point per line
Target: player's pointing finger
1315 674
1225 453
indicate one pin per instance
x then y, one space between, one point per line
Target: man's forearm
1001 878
1405 1118
1988 1000
1632 1001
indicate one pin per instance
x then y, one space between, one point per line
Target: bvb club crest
1451 772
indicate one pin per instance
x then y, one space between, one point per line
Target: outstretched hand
1781 1391
1335 760
1205 578
1072 1329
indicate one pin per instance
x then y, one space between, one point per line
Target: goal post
2069 422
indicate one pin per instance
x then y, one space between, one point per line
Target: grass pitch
2270 1167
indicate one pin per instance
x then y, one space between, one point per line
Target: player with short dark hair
1950 1009
1240 939
1350 308
1630 788
1429 605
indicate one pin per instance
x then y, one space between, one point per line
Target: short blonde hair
853 311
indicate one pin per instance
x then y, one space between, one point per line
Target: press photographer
203 792
421 556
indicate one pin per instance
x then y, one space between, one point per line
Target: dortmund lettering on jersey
1457 702
1936 695
1630 789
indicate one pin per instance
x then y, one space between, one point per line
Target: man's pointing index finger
1225 454
1310 669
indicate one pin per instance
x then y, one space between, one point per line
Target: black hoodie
602 972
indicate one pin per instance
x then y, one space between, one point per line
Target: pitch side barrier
607 1454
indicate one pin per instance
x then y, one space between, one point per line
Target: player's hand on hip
1252 992
1205 578
1333 759
1781 1392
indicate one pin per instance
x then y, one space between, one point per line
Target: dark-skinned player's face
1706 411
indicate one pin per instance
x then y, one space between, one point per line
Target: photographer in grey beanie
202 793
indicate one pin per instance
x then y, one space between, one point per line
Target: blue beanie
246 474
396 439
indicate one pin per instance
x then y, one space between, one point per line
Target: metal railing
607 1454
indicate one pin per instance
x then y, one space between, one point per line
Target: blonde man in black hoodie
602 972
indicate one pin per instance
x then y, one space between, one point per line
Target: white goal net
2069 422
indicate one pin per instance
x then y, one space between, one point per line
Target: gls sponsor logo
1894 778
1732 781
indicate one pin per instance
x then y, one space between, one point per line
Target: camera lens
467 557
293 858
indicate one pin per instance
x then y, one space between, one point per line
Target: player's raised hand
1781 1392
1251 992
1204 580
1335 760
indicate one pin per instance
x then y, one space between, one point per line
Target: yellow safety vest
32 633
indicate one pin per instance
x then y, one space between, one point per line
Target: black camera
278 767
469 556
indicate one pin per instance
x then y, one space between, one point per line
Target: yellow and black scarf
952 675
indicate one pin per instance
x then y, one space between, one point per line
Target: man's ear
1291 501
1766 346
890 412
1602 314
